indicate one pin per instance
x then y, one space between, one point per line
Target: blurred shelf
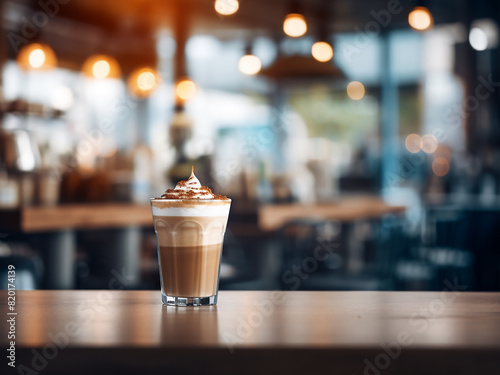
274 216
21 107
114 215
75 216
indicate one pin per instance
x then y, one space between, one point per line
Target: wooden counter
250 332
59 224
273 216
75 216
116 215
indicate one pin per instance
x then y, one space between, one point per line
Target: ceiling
253 16
127 28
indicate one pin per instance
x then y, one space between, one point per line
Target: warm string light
101 67
249 64
226 7
413 143
294 25
36 56
429 143
322 51
440 167
355 90
146 81
142 82
420 18
185 89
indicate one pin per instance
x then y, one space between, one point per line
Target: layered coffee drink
190 222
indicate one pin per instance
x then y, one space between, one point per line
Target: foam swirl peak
190 189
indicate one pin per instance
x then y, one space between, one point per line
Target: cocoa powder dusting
190 194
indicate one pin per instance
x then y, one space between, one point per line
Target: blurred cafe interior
359 140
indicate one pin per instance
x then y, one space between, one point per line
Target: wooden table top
284 332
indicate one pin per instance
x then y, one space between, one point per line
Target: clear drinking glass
189 236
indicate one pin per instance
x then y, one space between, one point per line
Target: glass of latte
190 222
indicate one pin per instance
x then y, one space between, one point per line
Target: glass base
189 301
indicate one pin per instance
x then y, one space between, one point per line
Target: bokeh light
36 56
322 51
440 167
429 143
146 81
478 39
142 82
249 64
226 7
294 25
413 143
483 34
185 89
101 67
420 18
355 90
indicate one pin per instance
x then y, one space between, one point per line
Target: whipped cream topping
191 183
190 189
